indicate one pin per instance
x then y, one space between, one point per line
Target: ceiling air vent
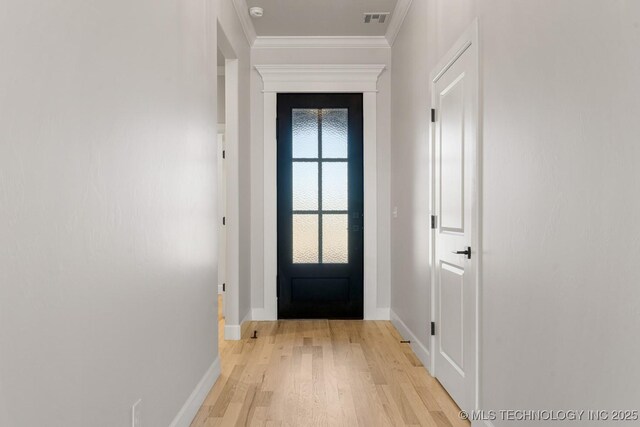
377 17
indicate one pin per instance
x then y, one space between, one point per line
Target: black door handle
466 252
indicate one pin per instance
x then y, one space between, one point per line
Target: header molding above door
321 77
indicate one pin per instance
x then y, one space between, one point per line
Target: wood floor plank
324 373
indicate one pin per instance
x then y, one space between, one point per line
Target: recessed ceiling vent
375 17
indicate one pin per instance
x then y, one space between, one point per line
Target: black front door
320 206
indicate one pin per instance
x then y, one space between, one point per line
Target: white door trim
360 78
468 41
232 125
222 212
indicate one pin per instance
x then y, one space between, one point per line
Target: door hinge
434 222
224 287
224 220
433 115
224 154
433 328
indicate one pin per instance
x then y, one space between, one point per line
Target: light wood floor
324 373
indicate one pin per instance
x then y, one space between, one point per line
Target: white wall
560 288
230 25
264 56
107 209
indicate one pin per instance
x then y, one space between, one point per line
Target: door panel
452 319
452 156
320 205
455 96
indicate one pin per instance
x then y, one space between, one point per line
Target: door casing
231 306
320 78
222 213
468 42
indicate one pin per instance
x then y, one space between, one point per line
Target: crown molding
397 18
320 77
242 10
270 42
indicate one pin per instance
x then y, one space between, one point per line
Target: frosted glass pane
334 186
335 239
334 133
305 239
305 186
305 133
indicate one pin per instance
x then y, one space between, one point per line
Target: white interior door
222 213
455 98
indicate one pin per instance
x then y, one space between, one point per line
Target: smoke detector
256 12
375 17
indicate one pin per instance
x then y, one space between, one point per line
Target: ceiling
307 18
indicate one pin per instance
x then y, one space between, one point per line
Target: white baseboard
220 291
192 405
378 314
234 332
486 423
418 348
260 314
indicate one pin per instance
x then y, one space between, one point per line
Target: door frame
342 78
468 41
231 298
221 212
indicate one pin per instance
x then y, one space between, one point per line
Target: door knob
466 252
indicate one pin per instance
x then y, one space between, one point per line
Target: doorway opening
320 206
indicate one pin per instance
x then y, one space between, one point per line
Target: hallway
457 178
324 373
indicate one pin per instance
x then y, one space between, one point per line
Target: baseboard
234 332
220 290
194 402
486 423
260 314
417 347
378 314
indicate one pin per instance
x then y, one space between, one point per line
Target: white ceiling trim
320 77
242 10
397 18
321 42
